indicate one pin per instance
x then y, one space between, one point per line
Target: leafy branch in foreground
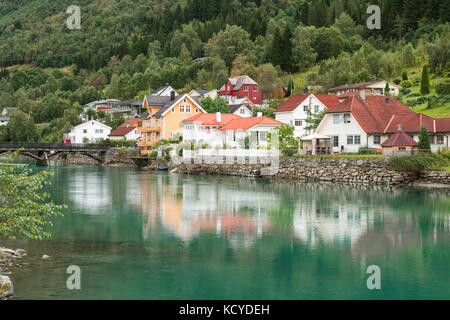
24 208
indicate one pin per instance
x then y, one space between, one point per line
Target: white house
294 110
126 131
368 121
242 110
230 129
4 121
165 91
91 131
374 87
204 93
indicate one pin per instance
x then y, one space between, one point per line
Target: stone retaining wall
371 171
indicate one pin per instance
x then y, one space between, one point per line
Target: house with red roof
227 128
399 144
126 131
240 87
370 120
294 110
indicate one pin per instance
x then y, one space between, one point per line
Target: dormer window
305 108
347 118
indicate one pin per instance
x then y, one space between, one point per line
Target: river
142 235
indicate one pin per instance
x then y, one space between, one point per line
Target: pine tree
290 88
404 75
387 89
276 49
425 82
424 140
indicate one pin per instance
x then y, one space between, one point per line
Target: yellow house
165 115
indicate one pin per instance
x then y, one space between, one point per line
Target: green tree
425 82
290 87
313 119
303 54
216 105
228 43
404 75
424 140
386 89
24 208
21 128
286 140
328 43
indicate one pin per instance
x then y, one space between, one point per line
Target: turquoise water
142 235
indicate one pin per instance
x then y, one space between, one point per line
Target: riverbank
364 171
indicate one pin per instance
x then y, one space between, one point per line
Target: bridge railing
56 145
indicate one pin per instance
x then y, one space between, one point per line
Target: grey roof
144 115
160 89
165 103
234 107
203 91
239 81
11 109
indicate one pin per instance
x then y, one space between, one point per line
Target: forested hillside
125 48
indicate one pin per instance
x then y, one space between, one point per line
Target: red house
241 87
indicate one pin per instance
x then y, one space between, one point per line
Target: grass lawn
442 111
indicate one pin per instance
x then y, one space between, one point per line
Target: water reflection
369 220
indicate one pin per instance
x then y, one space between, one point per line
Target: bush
406 84
418 163
366 150
153 154
443 87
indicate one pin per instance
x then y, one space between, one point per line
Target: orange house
165 115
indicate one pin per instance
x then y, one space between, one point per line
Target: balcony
149 129
145 143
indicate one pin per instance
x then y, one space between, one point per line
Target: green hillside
126 48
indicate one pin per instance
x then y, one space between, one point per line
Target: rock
6 288
20 253
45 257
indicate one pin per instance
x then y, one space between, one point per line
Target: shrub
443 87
418 163
406 84
366 150
153 154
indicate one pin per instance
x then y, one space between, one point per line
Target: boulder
6 288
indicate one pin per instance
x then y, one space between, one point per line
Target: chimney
363 95
259 114
399 128
218 117
172 95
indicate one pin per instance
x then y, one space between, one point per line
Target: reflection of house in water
186 206
93 192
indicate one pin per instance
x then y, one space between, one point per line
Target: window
402 148
305 108
196 109
254 98
263 136
336 141
439 139
432 139
245 88
255 89
181 108
298 123
335 118
242 111
173 109
376 139
346 118
188 108
98 131
84 130
357 139
349 139
316 109
184 100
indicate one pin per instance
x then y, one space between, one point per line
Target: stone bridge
42 152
